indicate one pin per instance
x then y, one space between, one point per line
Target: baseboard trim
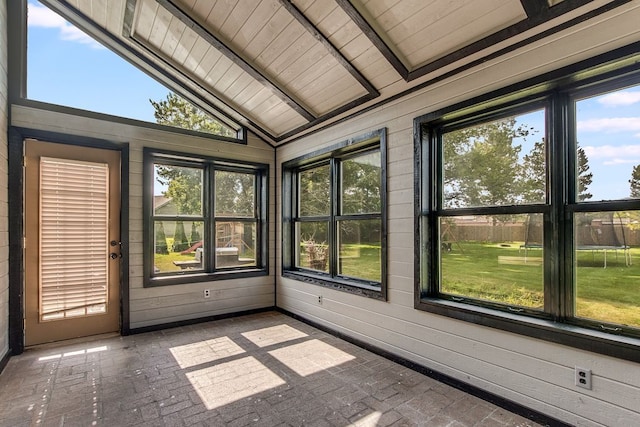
5 360
161 326
507 404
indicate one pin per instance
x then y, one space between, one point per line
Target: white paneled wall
4 210
165 304
533 373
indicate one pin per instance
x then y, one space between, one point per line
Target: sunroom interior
454 185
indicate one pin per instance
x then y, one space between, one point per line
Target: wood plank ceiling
283 67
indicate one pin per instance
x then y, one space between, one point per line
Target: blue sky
67 67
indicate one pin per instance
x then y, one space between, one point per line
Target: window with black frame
540 226
335 217
206 218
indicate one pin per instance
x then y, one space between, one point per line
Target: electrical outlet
583 377
319 299
207 293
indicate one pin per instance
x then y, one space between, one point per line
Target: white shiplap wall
165 304
4 209
533 373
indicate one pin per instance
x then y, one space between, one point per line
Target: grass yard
362 261
498 272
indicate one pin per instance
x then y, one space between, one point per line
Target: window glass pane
497 163
312 242
497 258
67 67
605 271
360 184
608 149
177 191
360 255
235 244
178 246
235 194
313 192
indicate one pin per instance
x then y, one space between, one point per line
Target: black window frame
333 156
209 165
556 322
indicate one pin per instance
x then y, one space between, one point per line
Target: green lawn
498 272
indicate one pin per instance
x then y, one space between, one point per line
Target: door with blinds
72 241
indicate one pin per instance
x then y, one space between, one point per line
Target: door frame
17 136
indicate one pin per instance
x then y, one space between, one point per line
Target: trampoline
605 234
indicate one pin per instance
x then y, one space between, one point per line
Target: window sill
185 278
608 344
344 285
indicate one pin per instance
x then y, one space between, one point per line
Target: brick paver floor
265 369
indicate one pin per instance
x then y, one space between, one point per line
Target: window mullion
334 191
209 223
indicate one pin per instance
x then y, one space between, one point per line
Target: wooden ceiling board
187 48
115 16
146 12
324 99
441 41
201 8
281 119
332 21
236 20
246 94
215 66
279 44
171 38
161 24
403 13
267 33
263 13
287 67
377 7
306 64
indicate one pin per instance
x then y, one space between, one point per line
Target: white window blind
74 219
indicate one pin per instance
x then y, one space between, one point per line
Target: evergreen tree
161 240
584 176
178 112
195 234
533 179
635 182
180 242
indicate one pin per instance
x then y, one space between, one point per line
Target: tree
184 187
161 240
584 176
481 165
235 193
635 182
361 177
178 112
533 179
180 242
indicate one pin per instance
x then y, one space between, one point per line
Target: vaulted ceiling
284 67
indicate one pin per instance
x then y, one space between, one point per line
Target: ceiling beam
333 51
374 37
534 7
199 29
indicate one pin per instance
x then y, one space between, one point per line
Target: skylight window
67 67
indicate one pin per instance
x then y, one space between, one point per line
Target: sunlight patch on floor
229 382
205 351
273 335
73 353
311 357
